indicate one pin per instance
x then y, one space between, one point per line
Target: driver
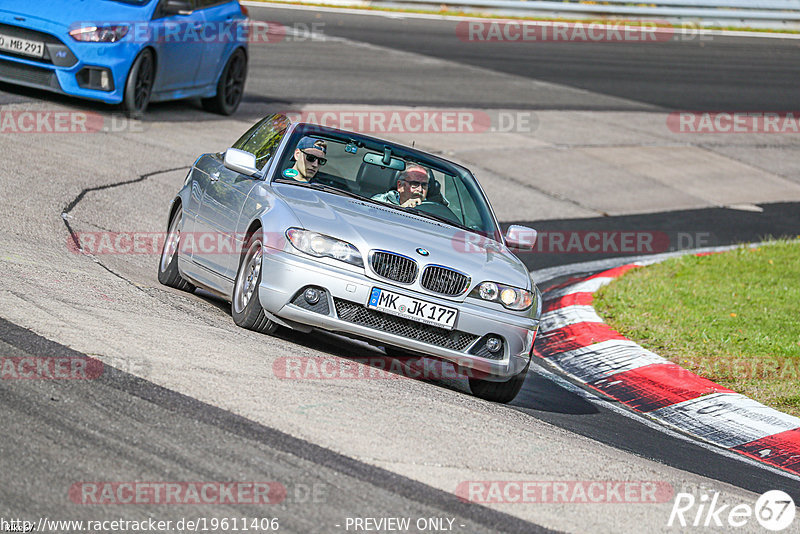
412 188
309 157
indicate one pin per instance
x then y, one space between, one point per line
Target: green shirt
390 197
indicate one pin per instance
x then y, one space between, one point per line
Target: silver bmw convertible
317 228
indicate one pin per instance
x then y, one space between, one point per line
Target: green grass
733 318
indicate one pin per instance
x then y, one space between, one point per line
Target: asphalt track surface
695 72
168 432
142 431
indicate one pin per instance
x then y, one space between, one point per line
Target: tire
168 263
139 85
245 307
502 392
230 86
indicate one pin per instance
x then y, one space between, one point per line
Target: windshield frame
297 131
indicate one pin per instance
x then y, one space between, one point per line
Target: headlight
512 298
102 34
323 246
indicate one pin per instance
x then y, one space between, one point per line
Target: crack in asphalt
65 216
141 178
75 201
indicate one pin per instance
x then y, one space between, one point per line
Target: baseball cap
310 143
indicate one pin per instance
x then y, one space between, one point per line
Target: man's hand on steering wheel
412 202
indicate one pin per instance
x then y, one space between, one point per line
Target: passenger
412 188
309 157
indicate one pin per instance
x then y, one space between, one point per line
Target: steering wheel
440 210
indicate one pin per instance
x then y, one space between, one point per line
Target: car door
198 181
217 245
179 44
221 19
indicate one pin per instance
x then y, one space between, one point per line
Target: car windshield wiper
331 189
417 211
324 187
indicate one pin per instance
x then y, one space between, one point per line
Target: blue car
128 52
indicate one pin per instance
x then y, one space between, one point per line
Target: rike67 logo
774 510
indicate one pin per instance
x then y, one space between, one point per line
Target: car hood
371 226
68 12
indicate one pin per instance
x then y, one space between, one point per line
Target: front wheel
230 86
502 392
245 307
139 85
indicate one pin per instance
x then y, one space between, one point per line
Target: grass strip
733 317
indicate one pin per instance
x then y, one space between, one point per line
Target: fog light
105 80
493 344
311 295
97 78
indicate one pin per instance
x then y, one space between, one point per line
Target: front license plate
21 46
411 308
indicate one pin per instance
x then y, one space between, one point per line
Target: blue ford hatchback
129 52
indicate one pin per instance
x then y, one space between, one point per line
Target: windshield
398 177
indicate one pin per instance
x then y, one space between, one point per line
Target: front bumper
286 274
65 59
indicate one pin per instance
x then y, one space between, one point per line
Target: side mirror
521 238
241 161
177 7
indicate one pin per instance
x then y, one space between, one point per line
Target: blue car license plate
10 43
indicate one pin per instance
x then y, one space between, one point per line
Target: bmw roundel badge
422 252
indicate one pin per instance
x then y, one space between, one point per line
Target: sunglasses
312 158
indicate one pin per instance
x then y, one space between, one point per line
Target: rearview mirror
378 159
240 161
521 237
